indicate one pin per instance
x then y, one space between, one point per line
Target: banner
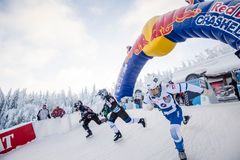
16 137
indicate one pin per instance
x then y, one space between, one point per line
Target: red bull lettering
233 11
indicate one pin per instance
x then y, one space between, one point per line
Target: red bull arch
219 20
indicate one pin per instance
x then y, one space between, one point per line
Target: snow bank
55 126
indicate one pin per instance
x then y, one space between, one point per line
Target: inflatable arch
217 20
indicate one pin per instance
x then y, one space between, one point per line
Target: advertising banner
16 137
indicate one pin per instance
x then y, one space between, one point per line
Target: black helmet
78 103
103 93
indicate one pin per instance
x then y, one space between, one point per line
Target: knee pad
175 133
111 124
127 120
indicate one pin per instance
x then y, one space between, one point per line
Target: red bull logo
137 47
165 25
162 26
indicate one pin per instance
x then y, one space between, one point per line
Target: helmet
153 82
103 93
80 103
44 106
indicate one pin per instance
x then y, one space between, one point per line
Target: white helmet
153 82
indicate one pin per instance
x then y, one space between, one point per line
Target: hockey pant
123 115
88 120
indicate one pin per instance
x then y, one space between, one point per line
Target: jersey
112 103
165 100
106 110
85 111
43 114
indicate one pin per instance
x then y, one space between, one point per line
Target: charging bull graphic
217 20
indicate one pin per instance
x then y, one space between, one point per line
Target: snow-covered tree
2 101
92 95
22 98
14 100
8 100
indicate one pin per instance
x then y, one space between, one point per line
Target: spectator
138 98
58 112
234 84
43 113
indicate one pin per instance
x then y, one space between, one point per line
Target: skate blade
145 120
89 136
119 140
186 122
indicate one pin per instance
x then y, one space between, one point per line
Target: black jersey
85 110
111 102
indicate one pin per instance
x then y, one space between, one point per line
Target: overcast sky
57 44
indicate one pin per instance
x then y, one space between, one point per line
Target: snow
55 126
211 134
212 66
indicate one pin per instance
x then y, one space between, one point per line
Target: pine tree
70 99
22 98
63 98
4 116
92 96
8 100
30 98
14 100
2 101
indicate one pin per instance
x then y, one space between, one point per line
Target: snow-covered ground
211 134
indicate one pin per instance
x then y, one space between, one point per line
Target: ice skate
89 134
182 155
117 136
142 121
186 119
